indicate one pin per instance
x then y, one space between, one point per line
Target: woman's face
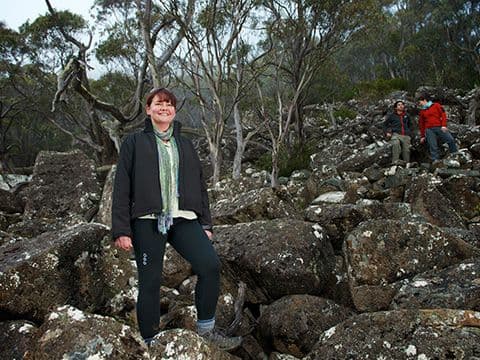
161 112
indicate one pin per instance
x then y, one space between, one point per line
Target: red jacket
433 116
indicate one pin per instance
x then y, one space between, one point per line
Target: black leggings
189 239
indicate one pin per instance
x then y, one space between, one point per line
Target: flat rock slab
455 287
258 204
403 334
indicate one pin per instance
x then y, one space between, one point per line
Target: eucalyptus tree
305 34
461 21
142 36
214 64
25 92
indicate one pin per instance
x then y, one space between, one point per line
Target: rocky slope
352 258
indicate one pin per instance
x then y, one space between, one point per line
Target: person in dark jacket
160 196
397 128
432 122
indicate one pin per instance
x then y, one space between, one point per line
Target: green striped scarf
165 219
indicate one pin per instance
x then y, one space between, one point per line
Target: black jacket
394 123
136 189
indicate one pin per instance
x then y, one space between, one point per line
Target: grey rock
69 333
292 324
463 193
455 287
265 203
16 338
175 268
9 203
403 334
427 200
382 252
339 219
373 153
64 191
446 173
185 344
69 266
279 356
9 182
276 258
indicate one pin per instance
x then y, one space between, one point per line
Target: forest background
244 71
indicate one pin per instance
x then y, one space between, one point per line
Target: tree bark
473 106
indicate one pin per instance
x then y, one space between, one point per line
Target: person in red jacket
433 127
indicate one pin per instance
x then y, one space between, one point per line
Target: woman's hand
444 129
209 234
124 242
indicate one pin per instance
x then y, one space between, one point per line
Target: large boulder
455 287
403 334
382 252
278 257
64 191
69 333
293 323
9 203
463 193
378 152
339 219
228 188
330 155
185 344
425 198
69 266
259 204
16 338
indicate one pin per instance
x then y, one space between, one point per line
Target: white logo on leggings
144 259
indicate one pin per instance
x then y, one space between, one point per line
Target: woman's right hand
124 242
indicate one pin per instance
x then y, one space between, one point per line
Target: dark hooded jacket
136 190
399 124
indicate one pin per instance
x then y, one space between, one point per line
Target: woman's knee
211 266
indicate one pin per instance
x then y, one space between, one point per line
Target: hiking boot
224 342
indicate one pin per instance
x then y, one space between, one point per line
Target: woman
160 195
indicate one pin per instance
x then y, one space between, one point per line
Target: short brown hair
398 102
163 94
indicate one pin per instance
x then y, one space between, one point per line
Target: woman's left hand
209 234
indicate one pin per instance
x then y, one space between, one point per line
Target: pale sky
15 12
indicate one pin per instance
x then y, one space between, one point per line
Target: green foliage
379 88
344 113
43 32
296 158
329 84
115 87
